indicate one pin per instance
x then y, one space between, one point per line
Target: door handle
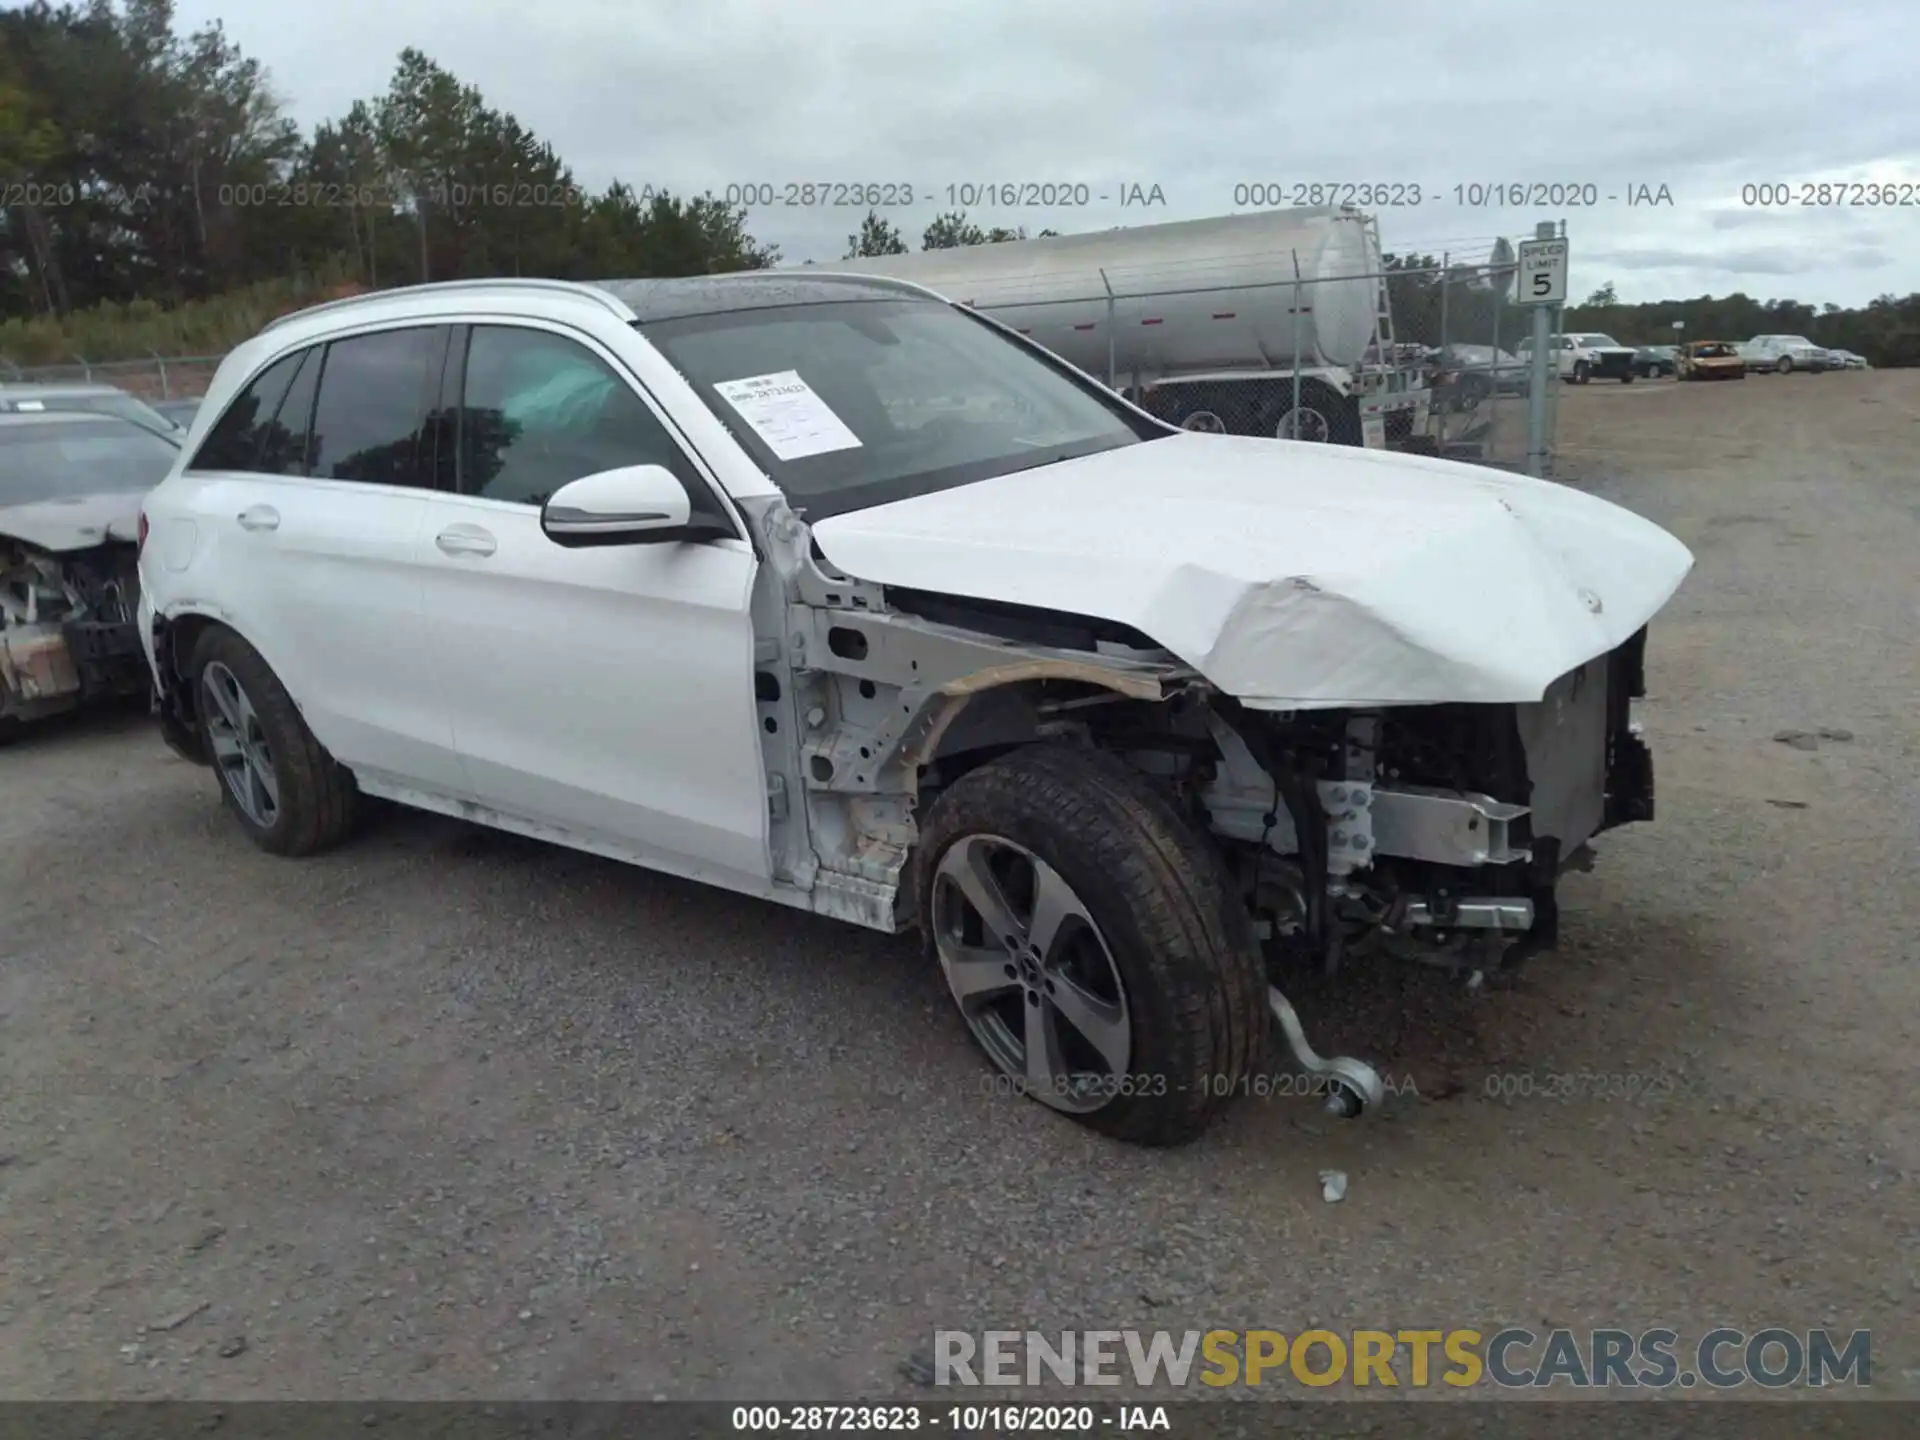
259 517
465 540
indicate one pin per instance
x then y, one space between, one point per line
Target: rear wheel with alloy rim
289 795
1206 422
242 753
1091 942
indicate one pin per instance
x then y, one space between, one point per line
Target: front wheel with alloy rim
1092 943
289 795
1581 374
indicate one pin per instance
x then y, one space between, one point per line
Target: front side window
373 419
852 403
539 410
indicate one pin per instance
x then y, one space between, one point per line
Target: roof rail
859 277
569 287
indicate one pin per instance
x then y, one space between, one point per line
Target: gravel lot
451 1114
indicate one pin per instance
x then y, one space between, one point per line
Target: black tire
1202 417
1627 379
1581 374
318 802
1785 367
1339 415
1180 939
11 727
1470 392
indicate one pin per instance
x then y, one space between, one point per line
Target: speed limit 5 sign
1542 273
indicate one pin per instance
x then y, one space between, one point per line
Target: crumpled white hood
73 522
1292 574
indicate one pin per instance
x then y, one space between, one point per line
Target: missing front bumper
48 666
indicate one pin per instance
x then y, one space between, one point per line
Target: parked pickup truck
846 598
1580 358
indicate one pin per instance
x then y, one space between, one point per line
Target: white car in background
1783 354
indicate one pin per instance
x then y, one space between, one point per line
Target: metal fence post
1113 375
166 391
1537 388
85 368
1446 269
1493 350
1293 415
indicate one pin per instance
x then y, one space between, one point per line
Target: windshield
84 457
1711 351
855 403
1598 342
113 403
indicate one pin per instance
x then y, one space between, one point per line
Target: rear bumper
171 702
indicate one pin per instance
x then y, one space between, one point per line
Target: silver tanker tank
1195 295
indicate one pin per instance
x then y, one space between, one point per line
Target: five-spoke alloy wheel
287 792
241 752
1031 973
1092 941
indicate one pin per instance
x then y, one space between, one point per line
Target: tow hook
1353 1086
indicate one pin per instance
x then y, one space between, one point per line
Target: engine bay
67 627
1432 833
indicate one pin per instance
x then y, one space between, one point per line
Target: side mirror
633 505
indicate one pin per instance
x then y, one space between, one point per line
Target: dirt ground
449 1114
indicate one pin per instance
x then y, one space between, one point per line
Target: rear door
315 510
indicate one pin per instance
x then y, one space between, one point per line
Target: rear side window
284 447
373 419
235 442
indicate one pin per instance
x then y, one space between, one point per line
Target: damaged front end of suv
1409 824
68 628
71 485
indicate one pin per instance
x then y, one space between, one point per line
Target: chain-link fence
159 377
1414 356
1420 357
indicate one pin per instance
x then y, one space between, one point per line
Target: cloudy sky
1701 98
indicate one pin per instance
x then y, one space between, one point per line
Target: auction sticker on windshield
785 412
